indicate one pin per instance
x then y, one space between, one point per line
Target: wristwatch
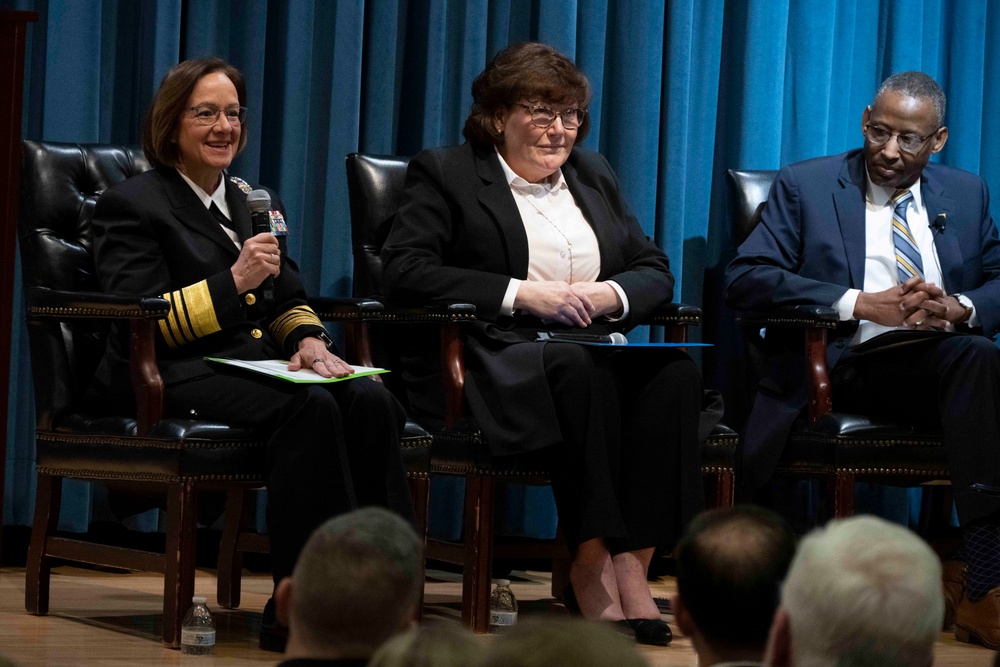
968 309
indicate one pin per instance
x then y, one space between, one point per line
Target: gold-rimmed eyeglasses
209 115
542 116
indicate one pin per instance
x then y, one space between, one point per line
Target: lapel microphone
940 222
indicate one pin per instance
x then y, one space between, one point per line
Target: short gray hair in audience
863 591
357 582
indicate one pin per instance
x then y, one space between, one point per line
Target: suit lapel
496 198
850 208
949 254
190 212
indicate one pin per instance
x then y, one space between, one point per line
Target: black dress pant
330 447
628 469
950 382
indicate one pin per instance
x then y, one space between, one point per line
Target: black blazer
154 237
458 236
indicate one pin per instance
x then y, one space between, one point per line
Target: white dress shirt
552 221
880 254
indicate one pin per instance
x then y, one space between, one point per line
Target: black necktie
221 217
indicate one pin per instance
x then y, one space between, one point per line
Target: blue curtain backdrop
683 91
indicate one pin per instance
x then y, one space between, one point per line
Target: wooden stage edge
101 618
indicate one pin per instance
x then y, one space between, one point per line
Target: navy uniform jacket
810 248
458 236
154 237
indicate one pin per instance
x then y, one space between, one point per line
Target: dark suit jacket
810 248
458 237
154 237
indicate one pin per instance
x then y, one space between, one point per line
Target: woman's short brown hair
160 125
527 71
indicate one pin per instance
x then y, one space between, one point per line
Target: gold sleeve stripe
285 323
192 315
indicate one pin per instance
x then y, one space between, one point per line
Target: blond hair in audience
552 642
433 645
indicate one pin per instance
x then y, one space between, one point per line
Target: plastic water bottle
198 629
503 606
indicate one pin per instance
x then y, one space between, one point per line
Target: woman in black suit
182 230
536 234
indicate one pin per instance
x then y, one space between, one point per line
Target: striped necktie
908 262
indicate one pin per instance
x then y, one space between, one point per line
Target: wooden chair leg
843 495
178 576
478 538
420 491
719 490
38 567
230 568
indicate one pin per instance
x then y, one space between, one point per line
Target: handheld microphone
259 203
940 222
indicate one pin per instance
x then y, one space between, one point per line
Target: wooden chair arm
815 321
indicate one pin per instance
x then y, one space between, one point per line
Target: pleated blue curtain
683 90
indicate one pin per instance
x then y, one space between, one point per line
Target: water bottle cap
501 582
199 599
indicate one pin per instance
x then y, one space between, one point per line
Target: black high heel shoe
623 627
651 631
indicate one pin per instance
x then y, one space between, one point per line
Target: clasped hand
915 304
259 258
572 305
313 353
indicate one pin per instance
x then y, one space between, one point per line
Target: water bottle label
197 637
503 618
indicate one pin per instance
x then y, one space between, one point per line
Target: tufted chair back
747 192
61 183
375 183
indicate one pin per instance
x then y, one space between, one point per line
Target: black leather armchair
376 186
68 320
839 448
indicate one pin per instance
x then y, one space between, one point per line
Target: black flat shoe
651 631
273 636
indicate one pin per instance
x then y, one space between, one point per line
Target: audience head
730 565
160 127
554 642
526 71
903 127
356 583
861 591
434 645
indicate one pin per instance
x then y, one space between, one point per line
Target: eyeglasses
209 115
908 143
544 116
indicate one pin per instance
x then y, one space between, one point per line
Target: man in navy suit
897 245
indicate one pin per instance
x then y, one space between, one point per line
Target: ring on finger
316 361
